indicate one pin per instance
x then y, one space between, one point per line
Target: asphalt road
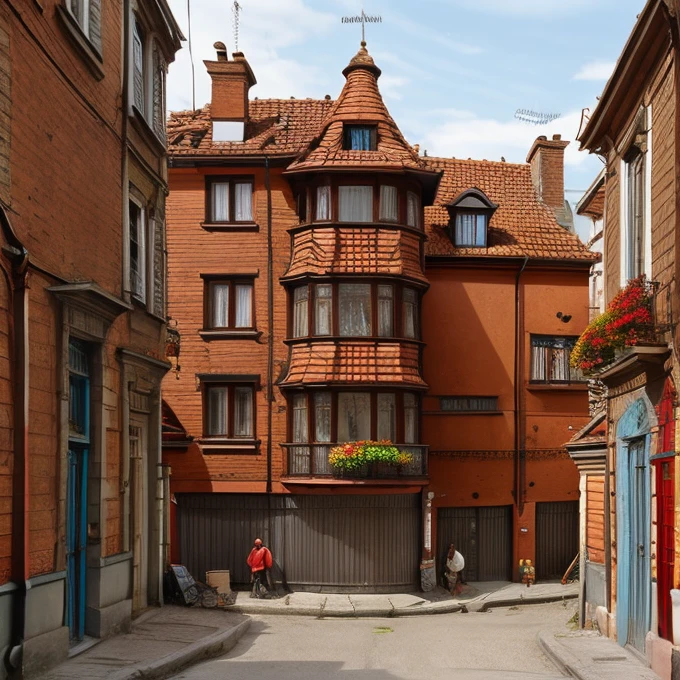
496 645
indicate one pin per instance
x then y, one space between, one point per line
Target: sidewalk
161 642
475 597
589 656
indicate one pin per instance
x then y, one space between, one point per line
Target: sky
454 72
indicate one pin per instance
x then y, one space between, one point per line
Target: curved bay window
358 201
321 418
355 310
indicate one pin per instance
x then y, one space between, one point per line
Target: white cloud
265 27
596 70
392 87
465 136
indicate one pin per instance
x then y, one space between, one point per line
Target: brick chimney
231 81
546 158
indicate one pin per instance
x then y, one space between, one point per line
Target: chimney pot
221 51
556 138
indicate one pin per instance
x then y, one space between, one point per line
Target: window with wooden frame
323 203
469 216
229 200
470 229
360 137
634 214
229 303
413 209
229 407
87 14
325 416
137 249
389 201
354 309
355 203
550 360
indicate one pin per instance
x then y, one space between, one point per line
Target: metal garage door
332 543
556 538
482 535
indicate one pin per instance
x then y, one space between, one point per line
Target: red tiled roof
275 127
360 102
521 226
321 250
354 362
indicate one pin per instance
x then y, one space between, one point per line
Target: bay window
355 203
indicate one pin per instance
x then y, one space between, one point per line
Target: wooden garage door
482 535
556 538
364 543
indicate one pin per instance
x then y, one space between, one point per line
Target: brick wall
5 107
6 435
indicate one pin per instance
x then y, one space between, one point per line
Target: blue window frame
360 137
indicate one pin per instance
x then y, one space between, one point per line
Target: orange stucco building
331 285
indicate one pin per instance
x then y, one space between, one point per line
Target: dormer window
470 213
360 138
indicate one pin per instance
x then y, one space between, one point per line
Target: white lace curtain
220 201
217 411
323 309
355 203
220 316
243 412
388 203
354 416
323 203
387 417
355 309
300 320
410 312
470 230
244 306
243 201
410 419
385 311
412 209
322 416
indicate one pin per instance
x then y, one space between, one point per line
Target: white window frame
85 23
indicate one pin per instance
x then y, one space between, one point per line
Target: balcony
306 461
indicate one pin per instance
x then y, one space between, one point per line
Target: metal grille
482 535
333 543
556 538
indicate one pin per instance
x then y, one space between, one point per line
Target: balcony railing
311 460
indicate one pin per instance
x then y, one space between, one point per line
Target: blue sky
454 71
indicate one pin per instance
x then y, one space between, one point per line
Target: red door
665 543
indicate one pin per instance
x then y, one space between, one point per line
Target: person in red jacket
259 560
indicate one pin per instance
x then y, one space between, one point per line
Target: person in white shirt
455 563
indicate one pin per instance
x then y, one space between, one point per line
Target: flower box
363 457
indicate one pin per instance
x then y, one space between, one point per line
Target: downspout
270 323
520 453
18 291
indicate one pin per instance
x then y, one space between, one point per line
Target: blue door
640 567
76 486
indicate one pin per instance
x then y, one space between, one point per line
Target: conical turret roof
360 103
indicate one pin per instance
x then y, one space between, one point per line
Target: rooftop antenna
363 19
535 117
236 10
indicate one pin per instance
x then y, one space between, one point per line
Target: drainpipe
520 438
270 322
18 292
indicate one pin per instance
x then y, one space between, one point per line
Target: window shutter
158 93
138 69
95 27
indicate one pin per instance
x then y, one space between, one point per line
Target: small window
634 217
323 309
137 246
360 138
462 404
88 16
355 203
139 69
230 304
388 203
410 312
230 201
229 411
301 316
471 230
355 309
412 209
323 203
385 311
550 360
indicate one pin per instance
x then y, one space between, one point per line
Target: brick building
632 477
332 285
82 318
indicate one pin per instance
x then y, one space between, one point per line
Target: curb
563 659
211 646
543 599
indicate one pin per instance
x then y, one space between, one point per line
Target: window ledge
552 387
89 54
392 340
230 226
142 126
218 446
463 413
213 334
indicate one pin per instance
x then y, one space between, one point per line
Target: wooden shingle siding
595 518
